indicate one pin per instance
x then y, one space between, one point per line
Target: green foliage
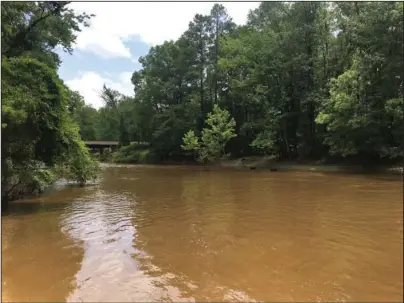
50 24
265 141
19 180
96 155
43 178
106 155
357 125
39 135
123 133
221 128
170 126
107 125
87 118
395 121
190 141
301 80
78 165
112 99
34 103
343 114
134 153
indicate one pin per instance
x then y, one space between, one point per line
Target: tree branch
21 37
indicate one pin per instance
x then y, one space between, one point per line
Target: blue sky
108 51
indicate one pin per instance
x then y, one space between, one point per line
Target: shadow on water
40 260
54 200
25 208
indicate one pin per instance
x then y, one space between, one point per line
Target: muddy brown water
187 234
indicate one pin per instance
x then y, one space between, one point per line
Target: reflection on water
184 234
39 261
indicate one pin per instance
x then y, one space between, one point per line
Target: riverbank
245 163
271 164
267 163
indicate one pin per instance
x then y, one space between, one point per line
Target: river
150 233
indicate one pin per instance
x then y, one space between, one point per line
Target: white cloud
89 85
118 22
153 22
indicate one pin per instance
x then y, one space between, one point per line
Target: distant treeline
301 80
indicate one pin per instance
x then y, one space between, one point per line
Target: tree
301 80
358 114
221 25
198 35
214 138
112 99
38 128
87 118
35 29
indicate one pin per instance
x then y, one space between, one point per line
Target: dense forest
303 80
40 139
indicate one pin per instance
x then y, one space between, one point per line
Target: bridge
101 145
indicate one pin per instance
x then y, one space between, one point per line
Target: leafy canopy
221 128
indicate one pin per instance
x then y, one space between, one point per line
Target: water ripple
166 234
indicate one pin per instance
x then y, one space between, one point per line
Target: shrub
78 165
134 153
105 156
221 128
42 179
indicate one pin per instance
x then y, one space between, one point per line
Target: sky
107 52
